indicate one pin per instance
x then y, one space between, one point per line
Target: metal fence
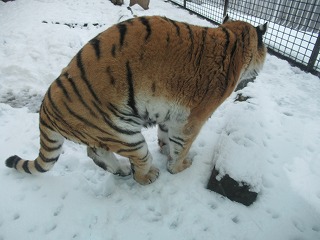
293 32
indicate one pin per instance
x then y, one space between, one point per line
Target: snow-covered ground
270 141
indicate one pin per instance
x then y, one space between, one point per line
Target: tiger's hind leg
180 143
135 148
108 161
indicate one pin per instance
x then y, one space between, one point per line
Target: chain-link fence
293 32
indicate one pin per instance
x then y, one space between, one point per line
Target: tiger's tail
50 148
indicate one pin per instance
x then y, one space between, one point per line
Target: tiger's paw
150 177
164 148
178 166
123 171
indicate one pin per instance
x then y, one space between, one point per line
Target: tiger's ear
261 29
226 19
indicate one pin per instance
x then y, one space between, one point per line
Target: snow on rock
271 140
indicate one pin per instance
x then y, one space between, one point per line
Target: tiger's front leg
179 144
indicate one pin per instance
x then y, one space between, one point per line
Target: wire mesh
212 9
293 25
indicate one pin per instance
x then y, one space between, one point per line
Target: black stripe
47 148
145 158
176 26
132 168
26 167
95 43
251 57
84 77
58 116
146 116
178 139
243 37
38 167
82 119
233 49
52 102
153 87
112 79
61 86
131 99
48 160
167 117
118 114
163 128
191 37
55 120
110 105
81 136
122 30
231 59
226 46
168 39
232 53
43 122
129 150
75 89
145 22
204 36
59 119
113 50
51 117
104 139
46 137
120 130
176 142
245 32
112 125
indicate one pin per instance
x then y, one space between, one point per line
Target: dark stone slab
230 188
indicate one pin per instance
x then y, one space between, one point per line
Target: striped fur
142 72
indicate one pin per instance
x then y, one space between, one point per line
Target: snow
270 141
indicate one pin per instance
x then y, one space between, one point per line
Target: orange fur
147 70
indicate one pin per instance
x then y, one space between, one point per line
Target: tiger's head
254 50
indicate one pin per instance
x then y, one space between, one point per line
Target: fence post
185 3
314 54
226 3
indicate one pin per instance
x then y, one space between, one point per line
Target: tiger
143 72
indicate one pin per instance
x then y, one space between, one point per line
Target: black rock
230 188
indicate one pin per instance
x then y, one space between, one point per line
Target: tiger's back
144 71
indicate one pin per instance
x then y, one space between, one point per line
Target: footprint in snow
58 210
16 216
50 228
316 228
273 213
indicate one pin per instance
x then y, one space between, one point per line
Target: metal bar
198 14
314 54
225 8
